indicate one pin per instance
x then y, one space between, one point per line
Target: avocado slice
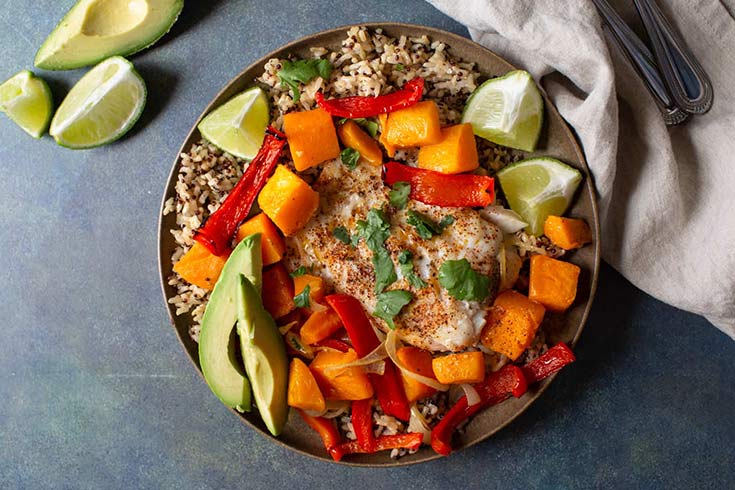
264 356
222 370
97 29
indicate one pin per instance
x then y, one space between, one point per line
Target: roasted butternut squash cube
354 137
417 361
303 391
417 125
272 245
465 367
512 323
390 150
277 291
339 383
311 137
567 233
200 267
454 154
288 200
553 283
320 325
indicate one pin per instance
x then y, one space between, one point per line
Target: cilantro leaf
399 194
385 271
370 127
350 157
302 71
462 282
425 227
299 272
399 67
302 300
390 304
341 234
375 230
406 265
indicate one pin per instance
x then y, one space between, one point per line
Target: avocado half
97 29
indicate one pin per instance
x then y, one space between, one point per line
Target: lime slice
101 107
238 125
539 187
26 99
508 111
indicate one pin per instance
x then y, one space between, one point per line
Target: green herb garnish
385 271
299 272
390 304
405 262
341 234
399 194
302 300
399 67
375 231
303 71
462 282
425 227
350 157
370 127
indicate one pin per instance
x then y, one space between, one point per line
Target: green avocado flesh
97 29
264 355
220 366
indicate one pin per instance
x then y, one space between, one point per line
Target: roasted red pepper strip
359 106
411 440
438 189
362 424
334 344
495 388
222 224
388 386
548 363
327 430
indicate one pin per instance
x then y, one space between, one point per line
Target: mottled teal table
95 391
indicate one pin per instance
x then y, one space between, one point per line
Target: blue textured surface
95 391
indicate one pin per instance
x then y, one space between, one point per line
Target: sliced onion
298 345
287 327
332 409
378 367
506 219
417 423
315 307
391 346
473 398
378 354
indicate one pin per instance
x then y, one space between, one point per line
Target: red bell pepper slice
495 388
327 430
362 423
388 386
221 225
411 441
335 344
438 189
548 363
358 106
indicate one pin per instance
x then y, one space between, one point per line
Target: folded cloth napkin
666 195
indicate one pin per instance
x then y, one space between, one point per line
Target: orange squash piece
418 361
389 149
311 137
553 283
350 383
454 154
465 367
200 267
512 323
568 233
417 125
320 325
288 200
352 136
271 242
277 291
316 287
303 391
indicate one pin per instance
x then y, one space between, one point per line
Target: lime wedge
26 99
101 107
508 110
238 125
539 187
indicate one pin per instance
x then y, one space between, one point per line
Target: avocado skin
264 356
125 47
222 370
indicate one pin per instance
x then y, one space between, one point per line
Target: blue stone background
95 391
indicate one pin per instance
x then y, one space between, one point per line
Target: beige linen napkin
667 195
